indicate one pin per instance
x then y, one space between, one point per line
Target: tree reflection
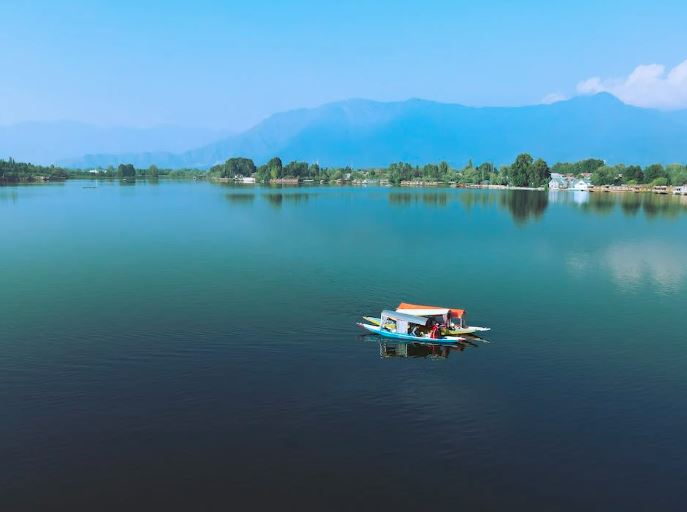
601 203
7 194
653 205
400 198
524 205
435 198
240 197
530 205
274 199
630 204
277 199
471 198
429 198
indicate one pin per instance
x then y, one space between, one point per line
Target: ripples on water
192 346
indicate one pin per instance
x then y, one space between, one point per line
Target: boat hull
408 337
451 332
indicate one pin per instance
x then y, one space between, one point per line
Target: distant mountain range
52 142
365 133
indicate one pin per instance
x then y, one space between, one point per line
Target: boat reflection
389 349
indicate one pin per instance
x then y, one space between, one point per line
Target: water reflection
601 204
471 198
629 264
662 263
629 203
277 199
8 194
389 349
435 198
580 196
524 205
240 197
428 198
655 205
400 198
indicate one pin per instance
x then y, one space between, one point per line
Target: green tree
126 171
430 172
587 166
153 171
539 173
604 175
399 172
654 171
275 168
677 174
633 173
520 170
296 169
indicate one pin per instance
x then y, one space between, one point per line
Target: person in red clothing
435 332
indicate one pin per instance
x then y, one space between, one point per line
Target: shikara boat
402 326
452 318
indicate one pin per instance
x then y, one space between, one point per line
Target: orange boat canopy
420 310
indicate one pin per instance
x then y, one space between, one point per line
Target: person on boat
435 333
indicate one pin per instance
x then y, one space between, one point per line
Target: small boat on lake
410 328
452 320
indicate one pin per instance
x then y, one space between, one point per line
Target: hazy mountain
369 133
49 142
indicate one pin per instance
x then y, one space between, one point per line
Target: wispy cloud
553 98
649 85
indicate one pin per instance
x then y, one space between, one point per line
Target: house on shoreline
570 182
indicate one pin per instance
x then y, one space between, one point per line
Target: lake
192 346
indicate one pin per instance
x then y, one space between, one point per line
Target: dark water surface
188 346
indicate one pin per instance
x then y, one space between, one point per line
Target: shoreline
295 182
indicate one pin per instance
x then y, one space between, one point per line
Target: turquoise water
189 345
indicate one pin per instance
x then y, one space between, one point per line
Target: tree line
524 171
128 171
17 172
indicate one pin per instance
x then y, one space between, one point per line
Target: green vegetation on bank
524 171
128 171
17 172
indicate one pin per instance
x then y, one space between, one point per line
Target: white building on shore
569 182
581 184
558 182
248 180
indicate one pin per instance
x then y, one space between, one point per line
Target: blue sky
230 64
